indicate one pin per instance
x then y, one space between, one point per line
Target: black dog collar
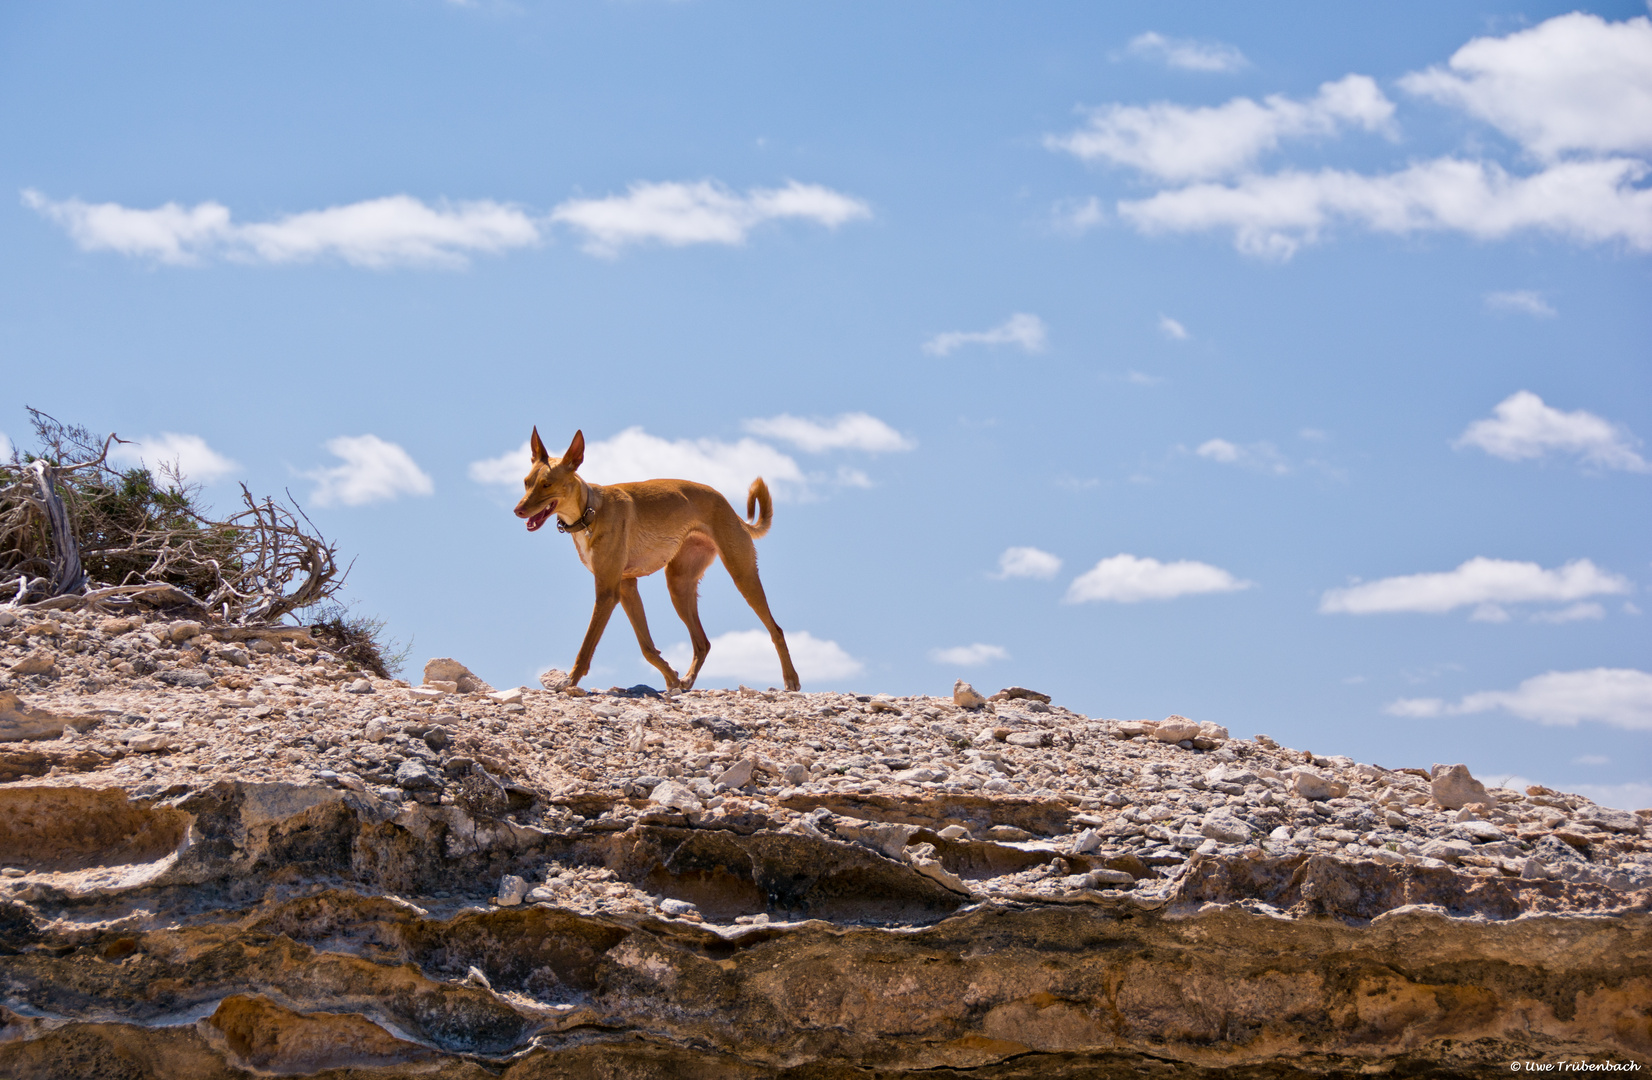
584 521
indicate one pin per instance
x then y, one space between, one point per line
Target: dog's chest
582 544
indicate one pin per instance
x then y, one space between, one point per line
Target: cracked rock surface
225 855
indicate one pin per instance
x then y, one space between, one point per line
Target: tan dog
626 531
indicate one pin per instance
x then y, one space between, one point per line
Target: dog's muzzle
540 518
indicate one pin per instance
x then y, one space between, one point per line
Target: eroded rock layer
269 865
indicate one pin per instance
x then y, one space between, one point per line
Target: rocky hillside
226 854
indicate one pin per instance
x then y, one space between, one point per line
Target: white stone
1175 729
675 795
966 696
512 696
737 775
1454 788
677 908
1316 785
553 679
149 742
512 890
378 729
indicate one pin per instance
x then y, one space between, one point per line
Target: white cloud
1027 331
850 431
968 655
1172 329
705 212
1479 581
5 447
1591 759
1077 216
730 467
1525 300
397 230
190 453
1261 456
1572 83
1572 613
634 454
1620 697
1274 215
373 471
507 469
1523 427
1028 562
1178 142
1187 54
1126 579
749 656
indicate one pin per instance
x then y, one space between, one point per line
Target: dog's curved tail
758 496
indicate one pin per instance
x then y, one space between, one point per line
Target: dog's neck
589 501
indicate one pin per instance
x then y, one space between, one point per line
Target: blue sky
1286 368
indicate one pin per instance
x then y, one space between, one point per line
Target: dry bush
135 536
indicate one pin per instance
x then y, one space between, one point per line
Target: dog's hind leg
631 600
682 578
740 557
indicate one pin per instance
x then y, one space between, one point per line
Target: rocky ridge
225 853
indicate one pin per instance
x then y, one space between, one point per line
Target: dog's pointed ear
538 447
576 451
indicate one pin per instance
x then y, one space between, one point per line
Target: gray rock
1030 740
1481 832
1225 828
1108 879
737 775
1612 820
512 890
675 795
359 686
1554 850
795 774
966 696
1315 785
414 775
149 742
1447 850
678 908
378 729
237 656
188 677
553 679
1454 788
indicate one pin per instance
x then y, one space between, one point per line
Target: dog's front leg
606 599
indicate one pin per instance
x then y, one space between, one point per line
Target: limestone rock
737 775
1225 828
965 696
378 729
38 662
512 890
1175 729
1316 785
358 686
675 795
553 679
1020 693
1453 787
445 669
19 722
